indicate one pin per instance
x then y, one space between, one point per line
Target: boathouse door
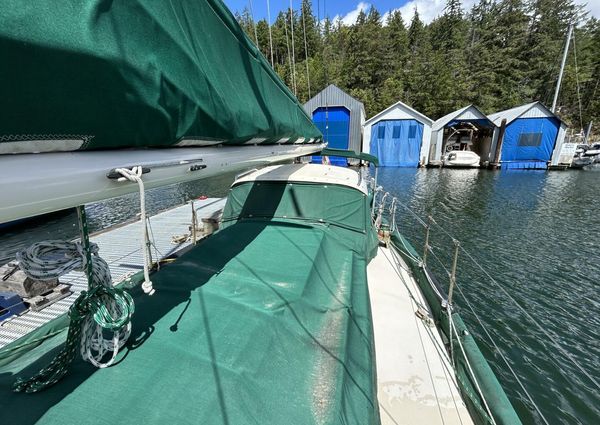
397 143
334 123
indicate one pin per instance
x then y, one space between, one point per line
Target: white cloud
351 17
429 9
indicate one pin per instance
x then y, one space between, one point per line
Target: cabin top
307 173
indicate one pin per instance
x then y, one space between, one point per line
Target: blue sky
347 10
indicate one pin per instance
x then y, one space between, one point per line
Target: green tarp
136 73
266 322
346 211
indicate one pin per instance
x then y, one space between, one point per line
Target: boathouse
464 129
340 117
399 136
526 137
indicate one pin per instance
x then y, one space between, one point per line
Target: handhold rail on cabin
344 153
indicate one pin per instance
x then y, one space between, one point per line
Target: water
537 234
105 214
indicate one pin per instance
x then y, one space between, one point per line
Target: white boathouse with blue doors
530 139
399 136
340 117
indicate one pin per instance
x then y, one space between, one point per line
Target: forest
498 55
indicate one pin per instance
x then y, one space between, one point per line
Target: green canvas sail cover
137 73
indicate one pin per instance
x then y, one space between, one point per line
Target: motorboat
586 156
461 159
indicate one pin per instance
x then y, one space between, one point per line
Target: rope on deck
103 308
135 175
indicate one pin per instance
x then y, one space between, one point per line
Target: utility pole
562 68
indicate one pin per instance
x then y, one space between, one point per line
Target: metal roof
469 112
332 95
421 117
512 114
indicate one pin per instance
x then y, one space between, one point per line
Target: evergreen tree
482 56
500 54
416 32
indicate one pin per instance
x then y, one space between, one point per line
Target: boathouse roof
468 113
529 110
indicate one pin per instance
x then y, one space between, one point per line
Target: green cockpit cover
101 74
268 321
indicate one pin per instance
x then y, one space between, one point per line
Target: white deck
121 248
415 380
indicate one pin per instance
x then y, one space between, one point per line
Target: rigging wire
254 25
506 362
526 313
305 47
573 361
487 333
293 51
270 33
577 81
287 43
326 77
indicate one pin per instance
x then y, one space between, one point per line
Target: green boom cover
102 74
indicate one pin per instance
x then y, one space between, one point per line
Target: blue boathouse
530 137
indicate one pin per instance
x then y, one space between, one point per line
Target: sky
348 10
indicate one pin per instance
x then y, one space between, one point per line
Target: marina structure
340 117
120 247
399 136
527 137
466 129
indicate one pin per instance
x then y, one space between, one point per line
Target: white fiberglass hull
462 159
34 184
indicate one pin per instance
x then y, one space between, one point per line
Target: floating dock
121 247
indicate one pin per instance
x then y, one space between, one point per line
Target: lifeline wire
483 326
525 312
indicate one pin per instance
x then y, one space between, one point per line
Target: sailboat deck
416 382
265 322
121 248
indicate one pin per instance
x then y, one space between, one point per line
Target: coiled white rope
135 175
49 260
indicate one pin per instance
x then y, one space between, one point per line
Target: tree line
499 54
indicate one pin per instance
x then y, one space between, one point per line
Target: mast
562 68
587 133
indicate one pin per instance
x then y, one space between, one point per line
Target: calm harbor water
537 233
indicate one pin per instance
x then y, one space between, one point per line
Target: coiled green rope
103 307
